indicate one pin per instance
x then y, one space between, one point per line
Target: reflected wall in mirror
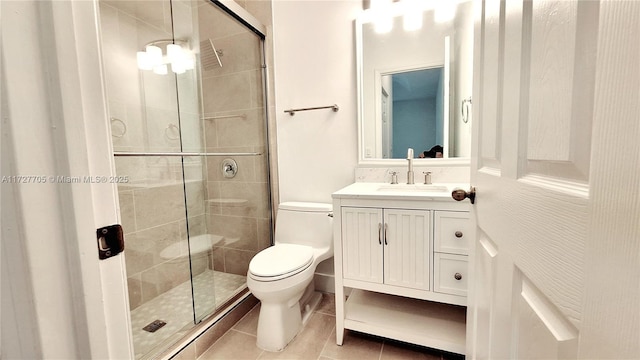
412 83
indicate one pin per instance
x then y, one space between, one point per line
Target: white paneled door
556 167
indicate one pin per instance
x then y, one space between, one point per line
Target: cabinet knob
458 234
458 276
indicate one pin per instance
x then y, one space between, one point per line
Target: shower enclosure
186 92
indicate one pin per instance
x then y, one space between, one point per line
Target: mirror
414 86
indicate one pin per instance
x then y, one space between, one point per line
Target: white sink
413 188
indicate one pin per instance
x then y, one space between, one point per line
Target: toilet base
309 302
279 323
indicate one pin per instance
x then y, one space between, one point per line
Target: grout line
242 332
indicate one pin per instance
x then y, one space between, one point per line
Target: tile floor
175 307
316 341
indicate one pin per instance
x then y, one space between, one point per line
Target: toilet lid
281 259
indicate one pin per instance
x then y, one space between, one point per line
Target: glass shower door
235 222
185 95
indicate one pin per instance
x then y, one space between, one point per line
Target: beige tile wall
236 88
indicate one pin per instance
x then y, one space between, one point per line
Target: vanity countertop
386 191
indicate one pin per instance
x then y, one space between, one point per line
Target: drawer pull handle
458 276
379 232
458 234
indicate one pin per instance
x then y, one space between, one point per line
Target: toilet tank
305 223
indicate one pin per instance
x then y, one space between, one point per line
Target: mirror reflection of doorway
415 111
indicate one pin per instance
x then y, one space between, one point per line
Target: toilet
281 276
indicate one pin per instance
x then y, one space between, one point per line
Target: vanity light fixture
412 18
178 55
383 23
382 12
445 11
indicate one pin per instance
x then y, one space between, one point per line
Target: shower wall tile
261 10
239 232
239 52
153 241
195 197
158 205
199 264
133 167
134 285
149 285
247 131
257 89
218 258
226 93
136 260
156 13
255 193
191 133
127 136
198 225
188 92
212 24
264 233
162 129
159 91
261 165
213 191
183 19
127 212
211 133
167 275
237 261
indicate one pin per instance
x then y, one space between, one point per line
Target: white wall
315 66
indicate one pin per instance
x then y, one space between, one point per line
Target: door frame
55 124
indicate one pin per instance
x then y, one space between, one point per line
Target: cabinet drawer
450 274
452 232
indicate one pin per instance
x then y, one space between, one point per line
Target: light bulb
154 54
412 20
445 11
383 22
174 52
142 58
160 69
178 67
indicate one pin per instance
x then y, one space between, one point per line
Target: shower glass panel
191 137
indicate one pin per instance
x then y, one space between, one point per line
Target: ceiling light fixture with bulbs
176 53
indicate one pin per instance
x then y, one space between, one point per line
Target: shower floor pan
175 308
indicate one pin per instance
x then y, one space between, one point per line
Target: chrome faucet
410 168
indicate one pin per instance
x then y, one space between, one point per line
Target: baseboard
325 283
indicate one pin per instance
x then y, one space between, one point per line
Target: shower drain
154 326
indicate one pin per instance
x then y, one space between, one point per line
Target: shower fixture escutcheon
229 168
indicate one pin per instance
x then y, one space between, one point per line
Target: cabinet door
406 248
362 244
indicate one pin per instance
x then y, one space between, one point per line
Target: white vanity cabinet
386 246
402 260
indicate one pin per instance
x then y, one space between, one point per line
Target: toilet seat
280 261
